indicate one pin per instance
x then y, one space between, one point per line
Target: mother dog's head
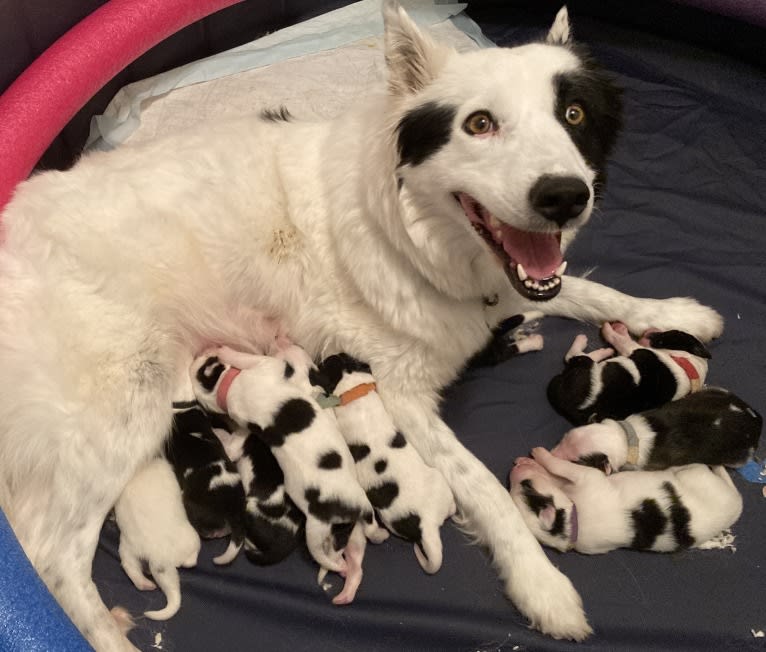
500 152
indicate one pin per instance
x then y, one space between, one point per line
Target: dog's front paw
551 603
680 313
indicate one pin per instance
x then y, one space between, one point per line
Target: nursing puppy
384 233
573 507
212 490
411 498
273 522
257 393
154 528
661 367
712 426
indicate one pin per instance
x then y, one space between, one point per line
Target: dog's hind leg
540 591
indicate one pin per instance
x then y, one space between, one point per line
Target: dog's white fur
111 271
154 528
605 502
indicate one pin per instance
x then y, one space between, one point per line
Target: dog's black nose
558 198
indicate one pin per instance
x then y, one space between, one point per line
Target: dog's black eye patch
424 131
591 88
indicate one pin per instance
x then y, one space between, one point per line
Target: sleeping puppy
569 506
712 426
154 528
257 393
661 367
411 498
211 486
273 523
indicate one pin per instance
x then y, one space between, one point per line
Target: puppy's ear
412 58
678 341
559 33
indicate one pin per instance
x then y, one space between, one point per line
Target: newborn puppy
569 506
273 523
154 528
211 486
661 367
712 426
259 394
411 498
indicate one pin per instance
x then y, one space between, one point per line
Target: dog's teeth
521 272
493 222
557 281
561 269
528 283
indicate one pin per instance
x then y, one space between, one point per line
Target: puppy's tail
168 580
230 554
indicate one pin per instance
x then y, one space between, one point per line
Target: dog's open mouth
532 261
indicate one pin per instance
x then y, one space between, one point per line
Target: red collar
689 370
223 387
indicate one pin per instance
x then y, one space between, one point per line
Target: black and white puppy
212 490
712 426
411 498
154 529
273 522
660 367
569 506
257 392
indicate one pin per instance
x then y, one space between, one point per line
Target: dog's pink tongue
538 253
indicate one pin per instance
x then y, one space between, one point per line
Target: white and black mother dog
382 233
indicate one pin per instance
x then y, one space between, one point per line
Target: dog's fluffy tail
168 580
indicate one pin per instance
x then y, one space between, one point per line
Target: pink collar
689 370
223 387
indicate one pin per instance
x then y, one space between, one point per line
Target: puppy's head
675 340
505 148
545 508
206 373
341 371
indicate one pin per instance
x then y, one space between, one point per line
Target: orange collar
689 370
356 392
223 387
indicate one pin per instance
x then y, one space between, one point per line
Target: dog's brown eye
478 123
574 115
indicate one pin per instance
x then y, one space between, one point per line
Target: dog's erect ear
559 33
413 59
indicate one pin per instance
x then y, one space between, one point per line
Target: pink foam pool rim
38 105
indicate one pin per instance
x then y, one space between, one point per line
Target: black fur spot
381 466
289 370
534 500
333 368
276 115
676 340
330 460
273 511
424 131
340 534
209 373
557 529
328 511
383 495
648 523
359 451
294 416
408 528
398 441
679 517
593 89
596 460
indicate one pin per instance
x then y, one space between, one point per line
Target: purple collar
573 525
